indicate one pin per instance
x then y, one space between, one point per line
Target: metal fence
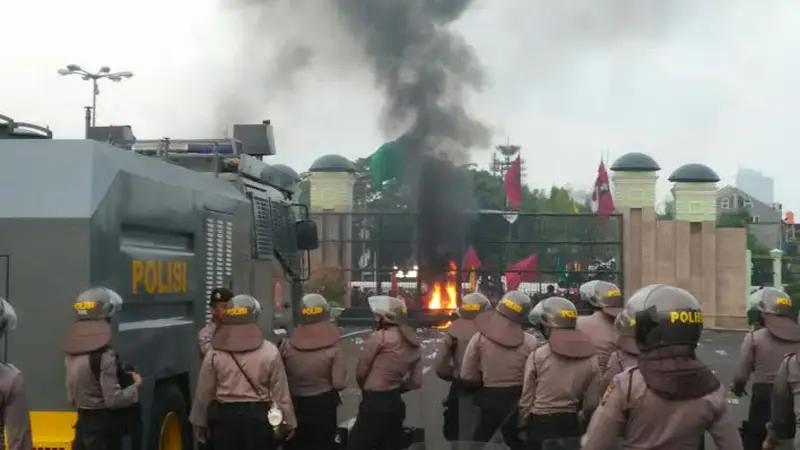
378 251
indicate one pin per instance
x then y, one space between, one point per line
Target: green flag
386 164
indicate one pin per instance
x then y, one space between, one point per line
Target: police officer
562 378
761 354
671 398
389 365
12 389
105 394
242 383
495 360
785 404
606 300
217 301
460 414
626 351
535 317
317 373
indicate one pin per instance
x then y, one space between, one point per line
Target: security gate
363 253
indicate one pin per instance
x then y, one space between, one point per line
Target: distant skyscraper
756 184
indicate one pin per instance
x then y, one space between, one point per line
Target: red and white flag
602 201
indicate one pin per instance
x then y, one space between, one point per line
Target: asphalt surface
719 350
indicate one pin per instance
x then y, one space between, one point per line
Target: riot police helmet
559 313
97 303
586 290
624 324
242 309
770 300
606 296
536 316
664 315
390 310
314 308
514 305
238 330
473 304
91 330
8 317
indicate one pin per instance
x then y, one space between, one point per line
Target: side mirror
307 238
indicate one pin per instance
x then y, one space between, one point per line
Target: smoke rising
425 72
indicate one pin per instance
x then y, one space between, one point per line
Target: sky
703 81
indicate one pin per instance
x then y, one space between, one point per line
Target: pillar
777 268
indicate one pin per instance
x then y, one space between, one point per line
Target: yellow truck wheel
170 429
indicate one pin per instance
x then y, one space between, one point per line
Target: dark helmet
97 303
473 304
604 295
559 312
8 317
389 309
515 305
241 309
664 315
536 316
314 308
773 301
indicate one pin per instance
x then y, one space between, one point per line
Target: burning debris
443 294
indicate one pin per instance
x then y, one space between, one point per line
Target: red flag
470 262
513 182
602 201
522 270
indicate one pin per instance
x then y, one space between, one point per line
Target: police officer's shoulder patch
609 389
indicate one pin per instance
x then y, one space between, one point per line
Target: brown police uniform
14 405
760 356
316 370
389 365
627 349
218 295
460 412
606 298
241 377
562 378
785 404
96 383
649 420
495 360
13 398
670 399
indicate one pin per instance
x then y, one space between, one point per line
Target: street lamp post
104 72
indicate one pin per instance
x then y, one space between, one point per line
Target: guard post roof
694 173
332 163
635 162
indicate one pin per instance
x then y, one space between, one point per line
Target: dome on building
280 176
332 163
694 173
635 162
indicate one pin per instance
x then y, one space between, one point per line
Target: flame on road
444 294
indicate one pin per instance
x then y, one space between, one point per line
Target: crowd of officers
626 376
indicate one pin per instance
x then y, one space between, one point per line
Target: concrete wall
690 252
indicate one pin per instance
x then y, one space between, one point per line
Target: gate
367 253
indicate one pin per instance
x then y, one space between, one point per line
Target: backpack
129 418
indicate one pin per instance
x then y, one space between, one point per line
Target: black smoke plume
425 72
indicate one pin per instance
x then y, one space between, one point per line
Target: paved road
718 349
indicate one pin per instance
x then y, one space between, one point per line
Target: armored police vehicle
160 222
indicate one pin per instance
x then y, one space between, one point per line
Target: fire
444 295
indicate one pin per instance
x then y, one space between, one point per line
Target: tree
741 218
666 210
